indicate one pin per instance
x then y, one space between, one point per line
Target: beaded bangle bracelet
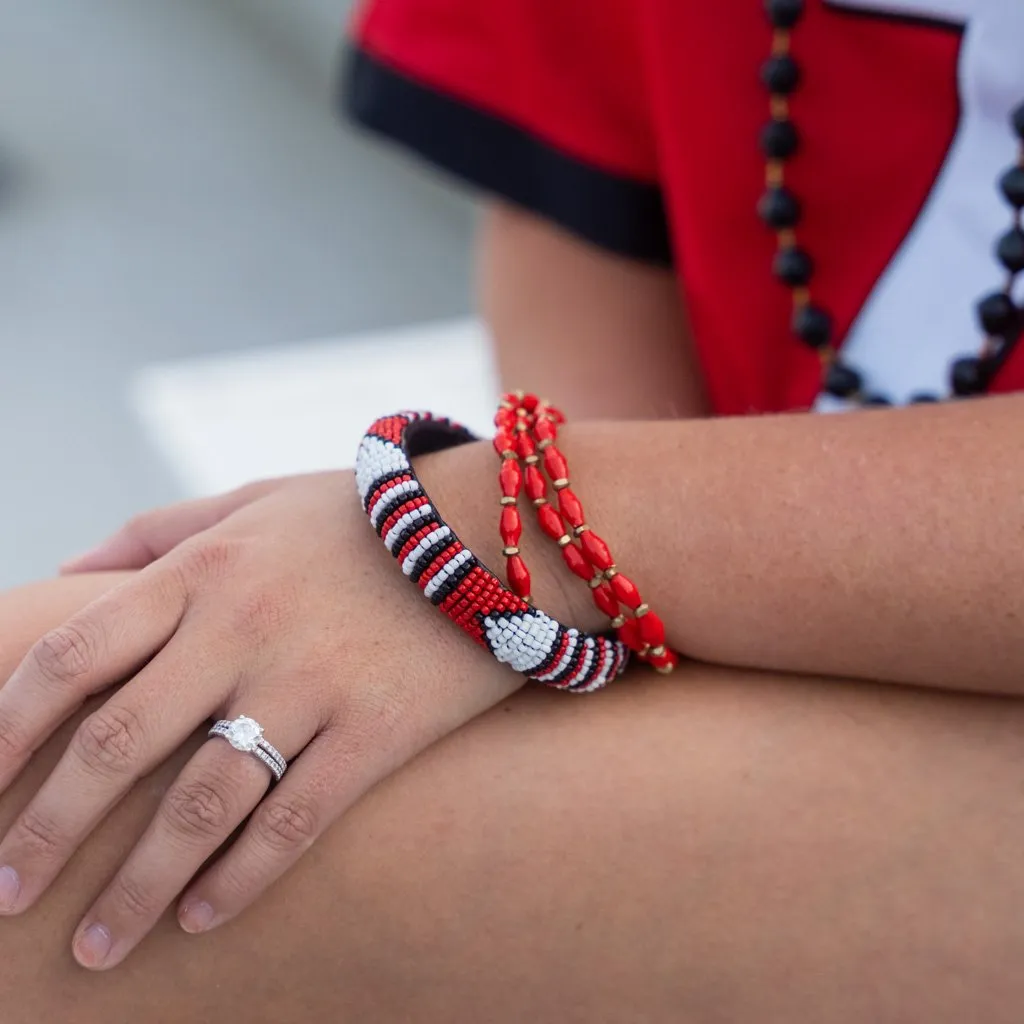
454 579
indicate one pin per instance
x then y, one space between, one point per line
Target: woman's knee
675 850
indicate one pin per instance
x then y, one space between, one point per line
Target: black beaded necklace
1000 318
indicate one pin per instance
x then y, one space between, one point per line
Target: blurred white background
174 182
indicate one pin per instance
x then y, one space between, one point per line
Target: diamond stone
244 734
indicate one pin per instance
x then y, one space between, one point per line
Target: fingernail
10 886
93 946
196 917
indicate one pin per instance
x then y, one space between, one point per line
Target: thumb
149 536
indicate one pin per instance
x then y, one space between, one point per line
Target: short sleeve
541 102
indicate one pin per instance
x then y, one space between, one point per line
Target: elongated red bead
525 445
556 414
536 485
550 522
511 526
511 478
570 507
554 464
545 430
505 419
518 576
503 442
629 634
605 600
577 562
597 551
652 629
529 402
625 590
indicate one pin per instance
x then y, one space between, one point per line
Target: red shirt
635 124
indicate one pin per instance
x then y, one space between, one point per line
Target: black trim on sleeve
618 213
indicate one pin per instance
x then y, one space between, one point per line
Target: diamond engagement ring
246 734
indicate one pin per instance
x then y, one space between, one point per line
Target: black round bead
1017 120
779 140
842 380
1012 186
781 75
1010 250
998 315
784 13
793 266
967 376
779 208
813 326
923 398
877 400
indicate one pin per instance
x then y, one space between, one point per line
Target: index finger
104 643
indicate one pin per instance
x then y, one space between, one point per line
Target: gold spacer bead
611 572
509 552
595 581
532 460
801 296
657 652
529 601
581 529
560 484
519 393
564 541
641 610
508 500
618 622
780 42
509 454
537 502
774 174
505 404
521 426
827 357
546 443
786 237
779 107
665 670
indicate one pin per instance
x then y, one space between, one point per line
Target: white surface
920 316
222 421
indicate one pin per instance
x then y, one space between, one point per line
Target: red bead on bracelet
528 426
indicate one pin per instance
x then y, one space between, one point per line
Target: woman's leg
719 847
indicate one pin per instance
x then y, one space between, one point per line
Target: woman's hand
289 610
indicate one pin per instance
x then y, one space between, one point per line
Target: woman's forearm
883 546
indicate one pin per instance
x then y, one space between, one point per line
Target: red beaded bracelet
457 582
527 430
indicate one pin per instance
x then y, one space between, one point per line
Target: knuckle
12 739
109 741
65 654
38 835
210 559
133 899
264 614
376 716
197 809
288 824
139 525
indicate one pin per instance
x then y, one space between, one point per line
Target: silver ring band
246 734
